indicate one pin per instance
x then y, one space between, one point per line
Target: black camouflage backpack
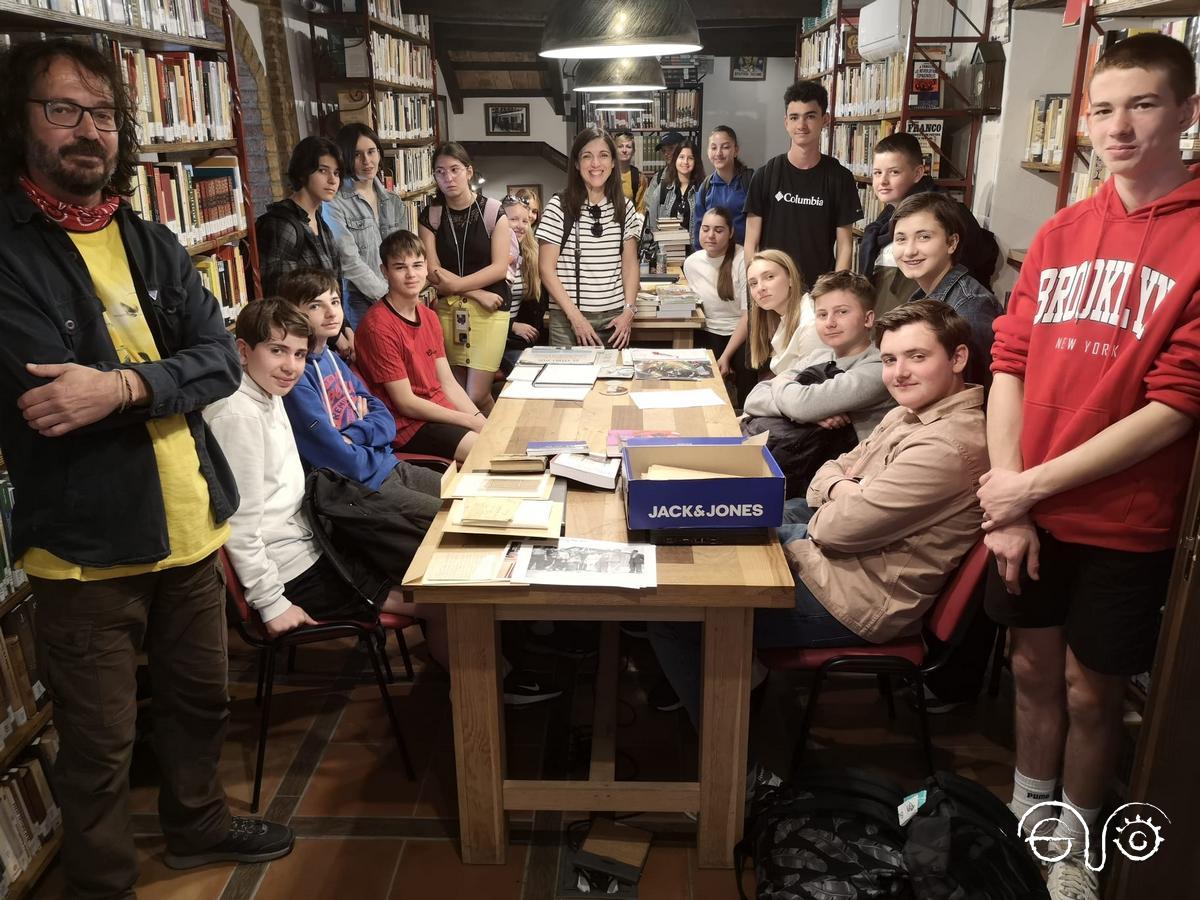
963 845
831 835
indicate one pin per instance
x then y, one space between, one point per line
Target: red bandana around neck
71 216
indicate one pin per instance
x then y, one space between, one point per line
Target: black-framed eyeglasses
67 114
597 228
510 199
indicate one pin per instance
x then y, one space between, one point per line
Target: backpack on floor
963 845
831 835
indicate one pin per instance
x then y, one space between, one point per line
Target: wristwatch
630 307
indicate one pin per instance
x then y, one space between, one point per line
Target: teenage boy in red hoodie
1091 433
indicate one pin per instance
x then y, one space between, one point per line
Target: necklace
460 249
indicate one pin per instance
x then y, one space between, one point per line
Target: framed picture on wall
747 68
535 189
506 119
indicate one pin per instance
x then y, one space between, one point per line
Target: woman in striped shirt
588 258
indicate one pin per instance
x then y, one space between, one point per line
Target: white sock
1070 828
1028 793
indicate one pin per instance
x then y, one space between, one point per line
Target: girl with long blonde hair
782 325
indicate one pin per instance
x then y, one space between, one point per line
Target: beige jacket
876 560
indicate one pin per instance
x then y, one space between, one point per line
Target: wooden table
680 332
717 585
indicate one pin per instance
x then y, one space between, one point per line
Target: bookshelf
375 64
188 104
678 108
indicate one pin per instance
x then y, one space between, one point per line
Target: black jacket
979 250
92 497
285 242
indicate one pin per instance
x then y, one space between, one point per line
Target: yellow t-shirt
633 191
191 531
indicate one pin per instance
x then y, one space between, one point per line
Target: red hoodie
1105 318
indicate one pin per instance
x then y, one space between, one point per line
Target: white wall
754 109
544 124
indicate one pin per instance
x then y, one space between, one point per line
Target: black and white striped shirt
600 287
516 287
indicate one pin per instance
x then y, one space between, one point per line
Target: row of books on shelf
29 813
819 52
199 201
404 116
871 88
11 578
399 61
223 272
178 17
412 169
389 11
872 206
1086 182
22 690
178 96
854 143
671 109
1047 129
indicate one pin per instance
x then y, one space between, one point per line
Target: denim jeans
355 308
806 624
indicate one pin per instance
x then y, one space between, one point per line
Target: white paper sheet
676 399
578 561
524 373
557 374
644 354
522 390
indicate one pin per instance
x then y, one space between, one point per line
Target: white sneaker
1071 879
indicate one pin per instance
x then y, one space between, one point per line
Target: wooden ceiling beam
447 77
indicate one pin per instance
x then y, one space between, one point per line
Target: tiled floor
366 832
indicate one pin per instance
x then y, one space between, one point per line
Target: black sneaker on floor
663 697
639 630
248 841
523 688
572 640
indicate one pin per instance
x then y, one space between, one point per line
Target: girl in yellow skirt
466 238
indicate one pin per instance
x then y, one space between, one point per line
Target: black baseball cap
669 139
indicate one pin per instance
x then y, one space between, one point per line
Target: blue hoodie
715 191
327 393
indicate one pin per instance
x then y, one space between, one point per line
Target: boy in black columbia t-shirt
803 202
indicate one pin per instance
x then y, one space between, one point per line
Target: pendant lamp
605 29
631 74
622 99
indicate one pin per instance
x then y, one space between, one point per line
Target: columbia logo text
1135 829
787 197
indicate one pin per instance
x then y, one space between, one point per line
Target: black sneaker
572 640
663 697
639 630
248 841
523 688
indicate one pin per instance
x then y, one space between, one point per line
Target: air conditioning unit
883 25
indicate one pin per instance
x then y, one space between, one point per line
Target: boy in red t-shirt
401 354
1091 434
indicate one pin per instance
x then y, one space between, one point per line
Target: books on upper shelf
871 88
1047 128
819 52
178 97
390 11
402 116
397 60
184 17
199 201
412 169
854 144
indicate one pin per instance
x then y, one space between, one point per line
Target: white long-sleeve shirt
270 540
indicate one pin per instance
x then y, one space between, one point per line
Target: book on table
568 356
597 471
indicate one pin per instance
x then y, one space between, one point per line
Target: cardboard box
753 499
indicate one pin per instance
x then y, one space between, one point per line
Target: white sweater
270 541
702 271
804 340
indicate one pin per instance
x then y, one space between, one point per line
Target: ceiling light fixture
637 74
617 98
606 29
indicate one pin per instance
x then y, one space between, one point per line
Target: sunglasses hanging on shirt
597 228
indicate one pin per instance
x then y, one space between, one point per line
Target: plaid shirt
286 242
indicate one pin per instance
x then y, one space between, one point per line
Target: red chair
948 620
254 633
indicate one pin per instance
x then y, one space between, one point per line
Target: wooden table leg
724 729
681 339
478 713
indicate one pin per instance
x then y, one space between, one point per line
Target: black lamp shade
605 29
641 73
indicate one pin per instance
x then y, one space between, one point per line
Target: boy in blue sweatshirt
337 423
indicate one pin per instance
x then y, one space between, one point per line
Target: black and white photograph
578 561
506 119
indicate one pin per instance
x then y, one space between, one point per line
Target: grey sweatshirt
858 392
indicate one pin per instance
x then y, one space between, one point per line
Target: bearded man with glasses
110 350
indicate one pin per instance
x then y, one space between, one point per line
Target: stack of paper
536 356
599 472
558 374
483 484
505 516
469 566
524 390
